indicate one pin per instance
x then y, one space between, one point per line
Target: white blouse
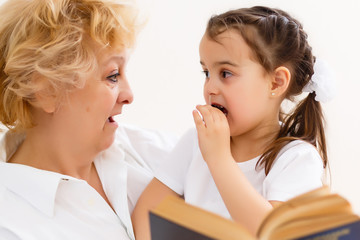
37 204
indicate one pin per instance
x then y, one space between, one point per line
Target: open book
318 214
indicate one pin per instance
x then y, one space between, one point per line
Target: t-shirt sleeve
141 150
297 169
151 146
172 172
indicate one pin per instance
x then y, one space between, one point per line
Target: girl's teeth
221 108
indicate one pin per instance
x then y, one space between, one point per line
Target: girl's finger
199 123
216 113
206 114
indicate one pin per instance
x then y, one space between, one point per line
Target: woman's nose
125 94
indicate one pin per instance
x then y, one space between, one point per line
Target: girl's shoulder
297 145
298 152
297 169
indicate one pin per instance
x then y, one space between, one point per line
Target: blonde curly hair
50 39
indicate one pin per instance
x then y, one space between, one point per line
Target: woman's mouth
110 119
221 108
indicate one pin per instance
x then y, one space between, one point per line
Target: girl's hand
213 133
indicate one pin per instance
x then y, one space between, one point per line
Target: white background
165 74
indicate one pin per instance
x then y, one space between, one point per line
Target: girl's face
235 82
88 114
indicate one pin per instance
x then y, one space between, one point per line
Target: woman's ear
45 101
44 96
280 81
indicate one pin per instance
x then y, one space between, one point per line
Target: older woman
67 169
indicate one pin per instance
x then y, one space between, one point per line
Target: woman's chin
106 143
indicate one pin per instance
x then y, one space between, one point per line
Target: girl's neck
253 143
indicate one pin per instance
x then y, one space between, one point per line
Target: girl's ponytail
306 122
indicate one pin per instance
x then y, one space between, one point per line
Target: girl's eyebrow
222 63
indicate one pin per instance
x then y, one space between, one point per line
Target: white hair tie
322 82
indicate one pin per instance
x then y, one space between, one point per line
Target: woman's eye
113 77
207 74
226 74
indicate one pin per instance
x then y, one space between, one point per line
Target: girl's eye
113 77
207 74
226 74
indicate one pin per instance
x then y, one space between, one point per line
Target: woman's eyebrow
116 58
119 59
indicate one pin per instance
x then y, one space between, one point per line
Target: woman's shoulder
2 192
9 201
7 205
9 142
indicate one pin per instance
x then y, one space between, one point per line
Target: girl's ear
280 81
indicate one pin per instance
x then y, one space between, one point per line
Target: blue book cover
163 229
349 231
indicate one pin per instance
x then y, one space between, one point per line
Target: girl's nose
211 87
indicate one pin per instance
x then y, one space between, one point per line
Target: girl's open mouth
221 108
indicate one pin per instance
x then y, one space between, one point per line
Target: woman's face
88 114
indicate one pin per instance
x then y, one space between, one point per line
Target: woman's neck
50 152
253 143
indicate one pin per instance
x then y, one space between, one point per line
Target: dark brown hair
277 39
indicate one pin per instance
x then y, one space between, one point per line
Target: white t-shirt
37 204
298 168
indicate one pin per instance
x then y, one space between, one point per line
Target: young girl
246 156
